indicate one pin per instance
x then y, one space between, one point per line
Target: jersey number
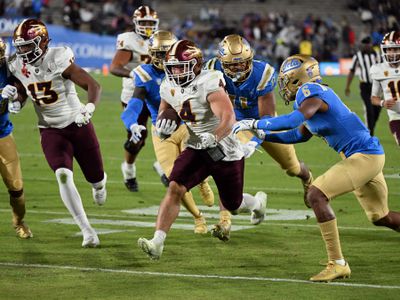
186 112
47 96
394 89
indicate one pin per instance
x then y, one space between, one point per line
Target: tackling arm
132 111
223 110
293 136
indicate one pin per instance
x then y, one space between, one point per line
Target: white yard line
201 276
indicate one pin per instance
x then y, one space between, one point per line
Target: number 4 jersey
55 99
190 102
386 82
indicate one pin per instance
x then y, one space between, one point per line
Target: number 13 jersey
54 97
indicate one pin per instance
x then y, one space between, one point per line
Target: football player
319 111
199 98
148 78
386 81
250 84
48 76
132 50
10 168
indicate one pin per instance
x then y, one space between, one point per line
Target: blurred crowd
275 34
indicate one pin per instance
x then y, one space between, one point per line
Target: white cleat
100 195
152 250
258 215
90 239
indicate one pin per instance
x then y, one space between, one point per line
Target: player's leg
189 169
58 151
166 153
128 167
87 153
341 178
228 177
395 129
10 171
373 198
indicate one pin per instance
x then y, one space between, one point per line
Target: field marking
164 274
272 223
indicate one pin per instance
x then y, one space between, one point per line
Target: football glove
86 113
249 148
165 127
246 124
9 92
14 107
136 130
207 140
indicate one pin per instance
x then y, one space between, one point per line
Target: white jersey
130 41
386 84
191 101
54 97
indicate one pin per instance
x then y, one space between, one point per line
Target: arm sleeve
132 111
289 121
293 136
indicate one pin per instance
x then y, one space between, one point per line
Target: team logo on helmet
291 65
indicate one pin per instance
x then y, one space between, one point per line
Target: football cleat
129 181
152 250
206 193
23 231
306 186
258 215
90 239
100 195
222 230
331 272
200 225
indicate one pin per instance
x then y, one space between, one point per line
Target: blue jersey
341 128
5 124
244 96
149 77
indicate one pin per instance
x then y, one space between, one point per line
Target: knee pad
63 174
133 148
16 194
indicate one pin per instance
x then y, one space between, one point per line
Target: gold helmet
2 52
295 71
236 57
146 21
159 44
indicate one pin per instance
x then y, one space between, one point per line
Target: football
170 114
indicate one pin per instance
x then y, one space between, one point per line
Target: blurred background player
148 78
199 98
10 168
132 50
250 85
386 81
319 111
48 76
364 58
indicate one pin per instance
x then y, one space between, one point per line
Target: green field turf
269 261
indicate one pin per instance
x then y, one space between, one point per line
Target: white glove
85 114
136 132
246 124
248 148
165 127
9 92
208 140
14 107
